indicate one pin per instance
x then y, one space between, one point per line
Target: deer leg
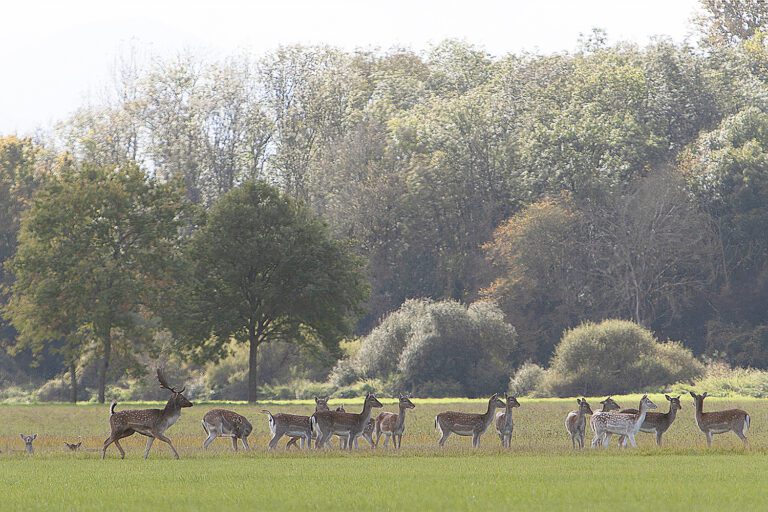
742 437
631 441
150 440
108 441
167 441
658 437
709 438
275 438
476 440
244 440
386 440
211 437
399 441
234 443
292 442
444 437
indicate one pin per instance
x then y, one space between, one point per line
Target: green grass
540 472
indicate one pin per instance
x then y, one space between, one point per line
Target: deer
576 423
720 422
343 424
608 405
151 423
504 424
321 404
224 423
466 424
367 433
73 447
393 425
28 442
656 422
608 423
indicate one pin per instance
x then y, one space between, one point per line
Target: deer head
511 401
674 403
371 399
73 446
698 400
28 442
405 402
178 399
496 401
321 403
645 401
609 404
584 406
340 408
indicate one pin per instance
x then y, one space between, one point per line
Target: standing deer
393 425
656 422
720 422
504 424
224 423
608 405
321 404
466 424
576 423
608 423
148 422
28 442
343 424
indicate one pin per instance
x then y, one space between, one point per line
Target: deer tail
112 407
746 423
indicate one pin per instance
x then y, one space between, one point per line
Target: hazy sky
55 53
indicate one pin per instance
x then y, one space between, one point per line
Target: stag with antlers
148 422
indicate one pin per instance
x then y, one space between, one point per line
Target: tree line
613 181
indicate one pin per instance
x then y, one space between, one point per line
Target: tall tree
95 250
266 270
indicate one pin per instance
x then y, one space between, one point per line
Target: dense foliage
613 181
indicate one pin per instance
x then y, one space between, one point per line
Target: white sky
55 54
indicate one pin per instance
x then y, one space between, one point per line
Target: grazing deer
720 422
656 422
608 423
28 442
393 425
148 422
224 423
321 404
504 424
466 424
576 423
73 447
343 424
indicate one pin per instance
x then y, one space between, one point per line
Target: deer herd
325 423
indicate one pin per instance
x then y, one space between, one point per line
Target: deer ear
704 395
667 397
22 436
578 401
692 394
34 436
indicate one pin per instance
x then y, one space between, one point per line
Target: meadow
539 472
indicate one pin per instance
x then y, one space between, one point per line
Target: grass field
539 472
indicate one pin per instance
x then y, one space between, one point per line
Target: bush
305 389
343 374
527 380
430 346
360 388
616 356
720 379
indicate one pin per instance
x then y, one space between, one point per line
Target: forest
313 220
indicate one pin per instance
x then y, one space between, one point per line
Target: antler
164 382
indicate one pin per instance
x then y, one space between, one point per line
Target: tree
265 270
727 22
96 251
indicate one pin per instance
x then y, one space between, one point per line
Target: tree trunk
73 382
106 339
253 342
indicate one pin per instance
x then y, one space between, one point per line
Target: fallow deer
367 433
148 422
393 425
321 404
466 424
224 423
720 422
608 405
576 423
343 424
504 424
656 422
28 442
73 447
608 423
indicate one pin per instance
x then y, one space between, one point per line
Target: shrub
430 346
360 388
343 374
305 389
720 379
615 356
527 380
